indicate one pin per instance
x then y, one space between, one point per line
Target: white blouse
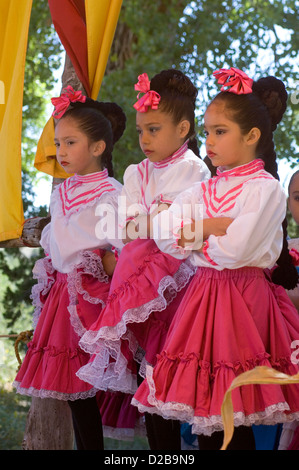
148 184
249 195
83 217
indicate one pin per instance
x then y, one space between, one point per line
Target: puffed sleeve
255 236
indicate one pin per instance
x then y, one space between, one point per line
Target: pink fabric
68 96
120 419
150 99
294 445
228 322
67 305
146 287
53 356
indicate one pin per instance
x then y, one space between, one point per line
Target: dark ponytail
264 109
273 95
100 121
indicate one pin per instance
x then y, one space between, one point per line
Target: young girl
144 278
232 318
72 285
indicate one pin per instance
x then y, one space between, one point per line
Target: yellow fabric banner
14 24
101 21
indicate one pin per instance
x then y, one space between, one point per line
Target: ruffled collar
92 177
242 170
172 158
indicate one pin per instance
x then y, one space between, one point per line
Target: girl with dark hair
232 317
72 284
144 278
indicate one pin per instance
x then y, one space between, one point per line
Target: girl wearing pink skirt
72 285
232 316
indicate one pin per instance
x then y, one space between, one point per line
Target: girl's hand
215 226
109 262
141 227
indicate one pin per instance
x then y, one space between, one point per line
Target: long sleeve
148 184
254 238
94 225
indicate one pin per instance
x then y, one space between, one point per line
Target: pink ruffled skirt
146 289
65 305
228 322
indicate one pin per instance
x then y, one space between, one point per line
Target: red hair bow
234 80
68 96
150 99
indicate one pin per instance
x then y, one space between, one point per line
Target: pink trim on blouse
205 253
143 170
242 170
67 188
215 205
173 158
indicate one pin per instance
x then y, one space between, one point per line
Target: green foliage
198 37
13 413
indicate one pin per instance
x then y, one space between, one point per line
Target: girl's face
293 200
159 137
226 146
73 150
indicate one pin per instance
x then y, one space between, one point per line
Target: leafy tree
198 37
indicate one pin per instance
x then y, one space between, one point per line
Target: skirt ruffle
228 322
146 289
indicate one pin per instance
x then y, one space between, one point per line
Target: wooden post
49 425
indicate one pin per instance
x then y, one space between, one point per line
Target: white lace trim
273 414
42 271
108 376
42 393
106 343
90 263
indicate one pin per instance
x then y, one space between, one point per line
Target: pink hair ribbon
150 99
68 96
234 81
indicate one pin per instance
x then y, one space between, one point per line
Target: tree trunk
49 425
